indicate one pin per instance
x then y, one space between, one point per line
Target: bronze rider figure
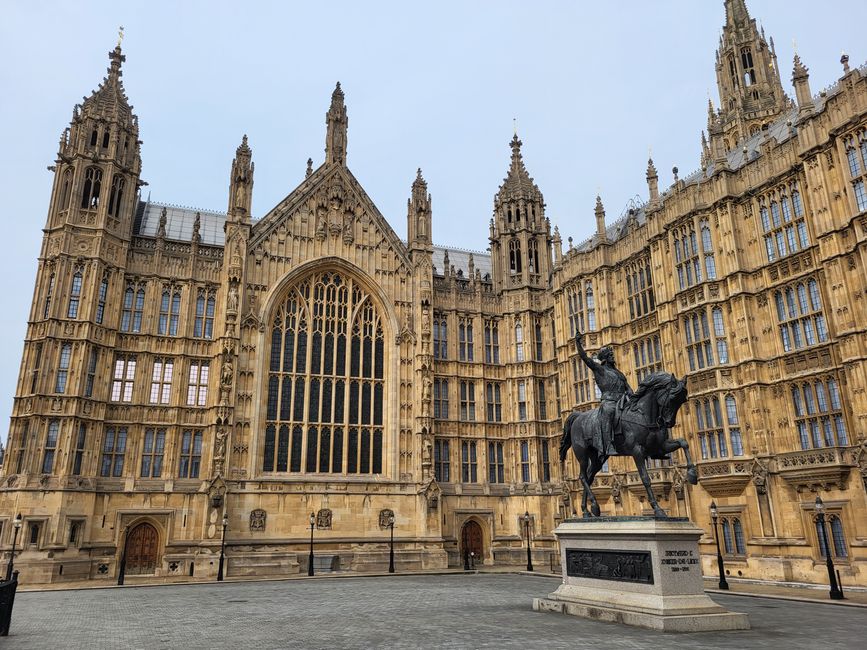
614 387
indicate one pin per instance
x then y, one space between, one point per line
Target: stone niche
641 571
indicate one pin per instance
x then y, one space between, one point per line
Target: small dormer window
93 137
733 71
105 139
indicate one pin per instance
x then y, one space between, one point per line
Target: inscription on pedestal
622 566
679 560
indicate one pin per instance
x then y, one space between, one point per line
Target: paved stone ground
436 611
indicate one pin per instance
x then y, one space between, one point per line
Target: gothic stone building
183 366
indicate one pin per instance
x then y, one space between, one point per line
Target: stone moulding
724 479
815 468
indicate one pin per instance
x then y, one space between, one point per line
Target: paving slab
402 612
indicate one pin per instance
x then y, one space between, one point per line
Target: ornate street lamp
391 545
310 560
835 593
121 574
16 526
714 513
222 549
527 529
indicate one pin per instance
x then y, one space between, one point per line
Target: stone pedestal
640 571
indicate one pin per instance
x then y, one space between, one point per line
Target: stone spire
241 182
109 100
748 79
652 182
418 215
801 82
600 219
337 123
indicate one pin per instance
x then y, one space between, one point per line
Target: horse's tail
566 440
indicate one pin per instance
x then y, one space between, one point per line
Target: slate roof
179 223
179 227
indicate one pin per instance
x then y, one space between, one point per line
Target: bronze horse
645 420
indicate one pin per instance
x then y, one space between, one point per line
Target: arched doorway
141 550
472 548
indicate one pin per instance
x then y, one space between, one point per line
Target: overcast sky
436 85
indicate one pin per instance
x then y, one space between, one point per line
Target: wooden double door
142 550
472 547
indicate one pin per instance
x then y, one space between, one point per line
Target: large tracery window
326 380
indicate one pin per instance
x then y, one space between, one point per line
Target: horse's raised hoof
595 510
692 475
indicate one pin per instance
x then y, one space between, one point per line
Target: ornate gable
329 205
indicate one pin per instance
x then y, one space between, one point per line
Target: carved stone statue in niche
257 520
227 378
427 383
232 303
323 519
321 218
348 227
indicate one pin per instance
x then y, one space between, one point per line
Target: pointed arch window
749 70
707 249
203 326
590 303
834 527
440 336
519 342
115 195
65 186
133 309
63 368
170 309
100 300
50 446
92 187
819 414
46 311
514 257
74 295
465 339
782 219
326 380
799 312
533 256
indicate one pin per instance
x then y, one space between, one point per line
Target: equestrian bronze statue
626 423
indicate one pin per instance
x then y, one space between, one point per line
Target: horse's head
670 399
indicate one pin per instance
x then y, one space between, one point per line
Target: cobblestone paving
436 611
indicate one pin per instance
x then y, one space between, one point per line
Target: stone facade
180 366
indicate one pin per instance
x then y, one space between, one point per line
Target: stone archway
142 550
472 543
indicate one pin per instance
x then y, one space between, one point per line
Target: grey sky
436 85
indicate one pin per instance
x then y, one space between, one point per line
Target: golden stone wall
622 287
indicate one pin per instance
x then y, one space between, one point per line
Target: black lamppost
527 529
391 544
121 574
310 560
723 583
16 527
222 549
836 594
